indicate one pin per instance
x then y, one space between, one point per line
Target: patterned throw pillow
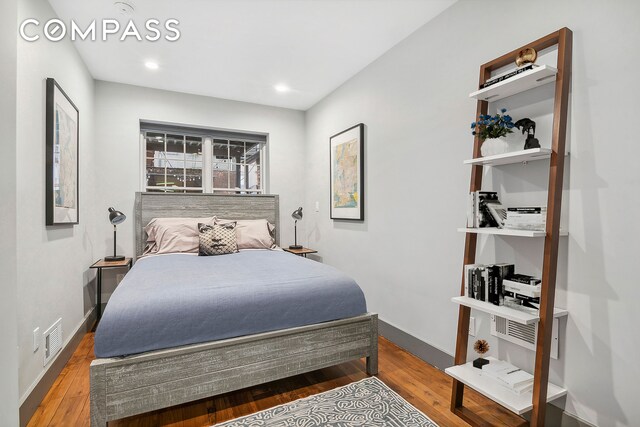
217 239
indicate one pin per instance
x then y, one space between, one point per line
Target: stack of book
485 210
510 377
529 218
498 284
507 74
522 292
486 282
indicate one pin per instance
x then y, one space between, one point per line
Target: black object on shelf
480 362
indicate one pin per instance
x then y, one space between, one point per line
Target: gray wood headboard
232 206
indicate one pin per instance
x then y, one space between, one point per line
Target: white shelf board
528 80
506 312
489 387
512 157
507 232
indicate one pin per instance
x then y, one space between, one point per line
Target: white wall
407 255
8 264
119 109
52 261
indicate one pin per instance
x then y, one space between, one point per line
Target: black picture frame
62 137
343 203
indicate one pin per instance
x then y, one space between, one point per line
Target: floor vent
523 335
52 341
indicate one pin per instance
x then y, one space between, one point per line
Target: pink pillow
171 235
253 233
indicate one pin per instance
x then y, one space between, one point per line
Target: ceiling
242 49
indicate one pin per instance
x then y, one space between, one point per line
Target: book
469 274
522 302
507 74
502 270
485 282
523 278
526 218
483 215
498 212
509 376
471 209
521 288
478 283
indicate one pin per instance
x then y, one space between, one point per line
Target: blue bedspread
173 300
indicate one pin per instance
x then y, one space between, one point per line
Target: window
185 160
173 162
236 166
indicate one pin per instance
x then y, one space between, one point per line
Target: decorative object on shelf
115 218
347 174
62 132
491 130
528 126
528 55
297 214
480 347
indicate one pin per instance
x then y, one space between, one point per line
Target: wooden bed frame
126 386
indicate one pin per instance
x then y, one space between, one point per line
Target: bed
254 328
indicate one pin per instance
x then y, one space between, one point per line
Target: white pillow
253 233
174 235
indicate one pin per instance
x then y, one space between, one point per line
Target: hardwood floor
425 387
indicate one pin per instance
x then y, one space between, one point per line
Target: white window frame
207 165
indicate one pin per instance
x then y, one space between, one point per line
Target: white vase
494 146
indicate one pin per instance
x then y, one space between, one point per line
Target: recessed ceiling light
281 88
151 65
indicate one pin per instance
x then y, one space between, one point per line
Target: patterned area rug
368 402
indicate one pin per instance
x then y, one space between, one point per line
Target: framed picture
62 132
347 174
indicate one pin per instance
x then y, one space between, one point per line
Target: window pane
155 144
175 177
155 177
236 151
253 152
220 150
193 176
175 144
253 176
193 148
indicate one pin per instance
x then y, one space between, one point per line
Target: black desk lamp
115 218
297 214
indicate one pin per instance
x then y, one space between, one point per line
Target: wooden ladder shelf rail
563 39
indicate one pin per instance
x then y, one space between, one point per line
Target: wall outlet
36 339
472 326
317 206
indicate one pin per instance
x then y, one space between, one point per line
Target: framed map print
62 131
347 174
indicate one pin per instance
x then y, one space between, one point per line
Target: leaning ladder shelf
462 374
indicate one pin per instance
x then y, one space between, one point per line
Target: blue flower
503 110
507 118
473 125
510 125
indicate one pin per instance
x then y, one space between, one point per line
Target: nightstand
301 252
101 265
